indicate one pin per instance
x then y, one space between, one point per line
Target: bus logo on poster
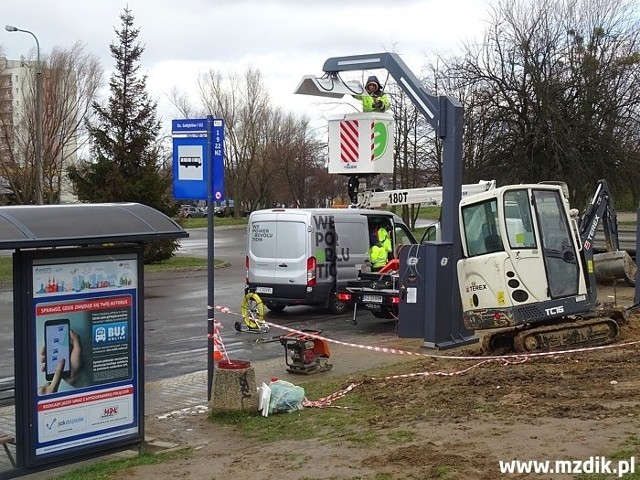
110 333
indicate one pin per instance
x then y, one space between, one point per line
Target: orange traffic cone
219 352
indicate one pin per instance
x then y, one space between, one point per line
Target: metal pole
210 254
39 179
38 159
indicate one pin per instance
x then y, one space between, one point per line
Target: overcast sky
285 39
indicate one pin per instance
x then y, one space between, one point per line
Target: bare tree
183 105
243 103
74 78
418 156
299 153
553 94
270 155
71 81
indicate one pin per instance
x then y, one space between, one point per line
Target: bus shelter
78 310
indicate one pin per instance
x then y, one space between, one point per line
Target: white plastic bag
264 396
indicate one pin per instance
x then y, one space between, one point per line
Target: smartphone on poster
57 345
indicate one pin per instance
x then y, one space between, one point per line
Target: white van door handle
284 265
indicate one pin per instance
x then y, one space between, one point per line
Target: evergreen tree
125 166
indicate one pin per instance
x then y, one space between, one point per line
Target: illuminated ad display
85 350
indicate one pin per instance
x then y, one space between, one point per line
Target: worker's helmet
373 80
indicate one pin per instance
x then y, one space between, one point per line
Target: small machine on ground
304 353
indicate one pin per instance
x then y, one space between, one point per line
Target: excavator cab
527 263
518 251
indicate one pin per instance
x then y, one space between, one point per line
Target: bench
6 440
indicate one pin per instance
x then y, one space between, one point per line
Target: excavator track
597 328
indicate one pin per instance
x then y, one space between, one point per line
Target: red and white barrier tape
326 401
217 339
515 356
329 399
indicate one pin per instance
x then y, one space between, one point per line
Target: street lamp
38 163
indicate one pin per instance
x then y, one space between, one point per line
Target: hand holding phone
57 346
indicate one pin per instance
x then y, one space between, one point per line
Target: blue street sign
189 126
189 168
217 160
198 144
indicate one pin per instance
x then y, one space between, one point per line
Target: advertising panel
86 375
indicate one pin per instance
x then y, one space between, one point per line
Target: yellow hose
252 310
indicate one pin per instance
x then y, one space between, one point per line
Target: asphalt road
175 315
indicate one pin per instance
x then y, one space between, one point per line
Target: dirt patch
442 424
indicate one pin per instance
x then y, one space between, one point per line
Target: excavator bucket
611 266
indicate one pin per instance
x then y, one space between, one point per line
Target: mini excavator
528 268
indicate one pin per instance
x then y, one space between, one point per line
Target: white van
303 256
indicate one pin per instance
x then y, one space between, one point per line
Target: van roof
309 212
327 211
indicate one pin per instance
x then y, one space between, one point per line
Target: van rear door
261 250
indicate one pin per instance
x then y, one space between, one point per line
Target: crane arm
409 196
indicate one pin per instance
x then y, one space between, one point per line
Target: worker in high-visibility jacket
377 254
385 240
374 99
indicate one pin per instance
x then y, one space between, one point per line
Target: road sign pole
210 258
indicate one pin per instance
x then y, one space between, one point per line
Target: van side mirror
432 233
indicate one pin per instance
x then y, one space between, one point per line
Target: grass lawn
217 222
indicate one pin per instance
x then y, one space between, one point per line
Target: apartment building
17 99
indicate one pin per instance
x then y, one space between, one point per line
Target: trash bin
234 387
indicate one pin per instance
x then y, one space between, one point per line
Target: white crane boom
409 196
